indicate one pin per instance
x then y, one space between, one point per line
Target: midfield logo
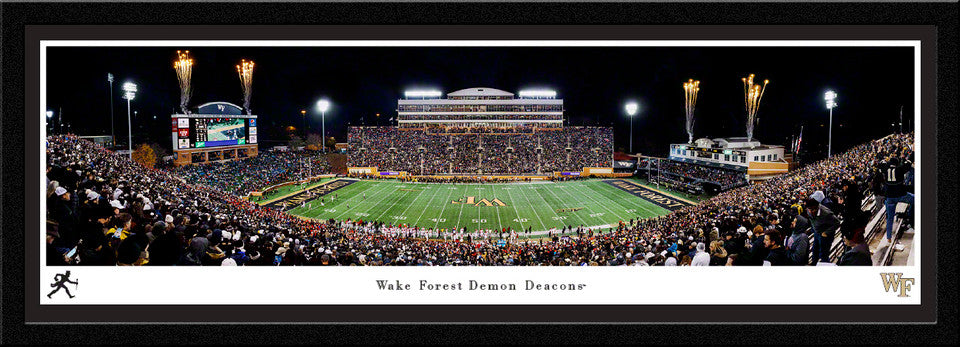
471 200
896 282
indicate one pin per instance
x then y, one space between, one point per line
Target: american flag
796 146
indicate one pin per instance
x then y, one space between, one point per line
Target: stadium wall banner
362 170
514 177
597 170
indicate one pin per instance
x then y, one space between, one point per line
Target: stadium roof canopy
481 91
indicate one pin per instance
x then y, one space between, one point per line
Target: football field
590 203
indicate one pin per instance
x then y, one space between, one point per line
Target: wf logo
471 200
896 282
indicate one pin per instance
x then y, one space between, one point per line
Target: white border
604 285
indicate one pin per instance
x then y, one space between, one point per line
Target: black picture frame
935 23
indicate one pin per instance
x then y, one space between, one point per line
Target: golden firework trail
245 70
752 95
184 67
690 89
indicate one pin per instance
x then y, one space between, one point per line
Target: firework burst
752 95
184 67
690 89
245 70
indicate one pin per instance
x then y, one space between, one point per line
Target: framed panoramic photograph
456 173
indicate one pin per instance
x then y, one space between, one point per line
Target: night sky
594 83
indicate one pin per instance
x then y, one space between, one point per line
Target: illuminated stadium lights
323 105
631 108
130 90
50 119
423 93
537 93
830 97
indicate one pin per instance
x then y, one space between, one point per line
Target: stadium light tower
303 115
50 119
130 91
632 108
830 96
323 105
113 136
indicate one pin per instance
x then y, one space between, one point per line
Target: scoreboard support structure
213 155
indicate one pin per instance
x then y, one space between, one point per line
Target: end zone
659 198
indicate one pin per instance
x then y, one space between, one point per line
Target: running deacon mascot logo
896 282
59 282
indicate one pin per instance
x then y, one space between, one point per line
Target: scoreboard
216 131
204 131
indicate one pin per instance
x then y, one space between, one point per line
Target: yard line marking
544 226
444 207
500 223
429 202
466 188
519 218
372 185
309 212
561 201
571 196
611 188
590 194
404 213
391 206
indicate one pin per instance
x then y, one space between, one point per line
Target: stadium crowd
240 177
686 173
103 209
421 152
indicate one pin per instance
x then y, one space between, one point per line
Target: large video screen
214 132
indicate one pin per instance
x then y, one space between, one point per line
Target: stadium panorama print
476 176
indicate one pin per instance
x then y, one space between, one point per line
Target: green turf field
485 206
276 193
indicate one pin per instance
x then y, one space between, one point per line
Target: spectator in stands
895 191
702 258
798 244
718 255
824 225
853 237
851 198
777 254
